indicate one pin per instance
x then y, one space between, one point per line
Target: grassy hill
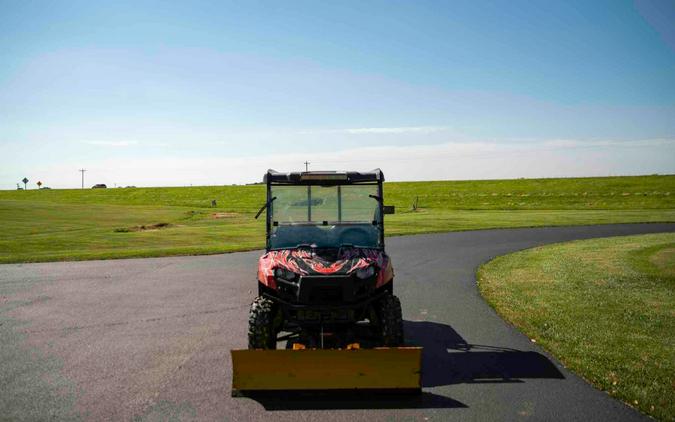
109 223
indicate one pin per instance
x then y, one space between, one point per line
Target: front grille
333 290
326 294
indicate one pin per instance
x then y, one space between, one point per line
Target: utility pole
82 171
307 163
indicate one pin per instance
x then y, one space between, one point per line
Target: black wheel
261 330
391 320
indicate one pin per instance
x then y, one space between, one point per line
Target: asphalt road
150 339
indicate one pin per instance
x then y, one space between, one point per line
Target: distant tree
39 183
25 183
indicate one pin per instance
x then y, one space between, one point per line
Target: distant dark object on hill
45 187
99 186
130 187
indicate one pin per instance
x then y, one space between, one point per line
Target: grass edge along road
54 225
603 307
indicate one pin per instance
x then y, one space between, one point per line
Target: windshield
324 216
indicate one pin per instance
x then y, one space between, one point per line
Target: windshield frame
270 204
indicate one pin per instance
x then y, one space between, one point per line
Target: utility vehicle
325 290
325 270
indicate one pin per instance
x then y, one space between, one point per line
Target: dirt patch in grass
142 228
224 214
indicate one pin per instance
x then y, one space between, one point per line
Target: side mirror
389 209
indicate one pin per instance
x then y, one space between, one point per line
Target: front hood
307 262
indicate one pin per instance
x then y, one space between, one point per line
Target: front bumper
305 314
325 289
325 299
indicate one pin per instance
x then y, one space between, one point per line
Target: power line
82 171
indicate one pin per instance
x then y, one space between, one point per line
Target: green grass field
604 307
49 225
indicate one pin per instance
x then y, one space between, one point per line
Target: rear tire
391 320
261 332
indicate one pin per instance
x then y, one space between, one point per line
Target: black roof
323 177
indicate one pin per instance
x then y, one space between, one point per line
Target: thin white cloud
381 130
112 143
397 130
572 143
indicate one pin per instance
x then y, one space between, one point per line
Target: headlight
285 274
365 273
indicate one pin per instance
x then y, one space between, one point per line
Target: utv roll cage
322 178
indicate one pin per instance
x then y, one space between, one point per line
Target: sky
208 93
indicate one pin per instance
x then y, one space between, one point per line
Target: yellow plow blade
396 368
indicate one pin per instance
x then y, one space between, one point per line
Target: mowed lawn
604 307
49 225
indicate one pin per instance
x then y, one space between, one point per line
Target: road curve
149 339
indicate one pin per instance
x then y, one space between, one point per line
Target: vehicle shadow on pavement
448 359
352 400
